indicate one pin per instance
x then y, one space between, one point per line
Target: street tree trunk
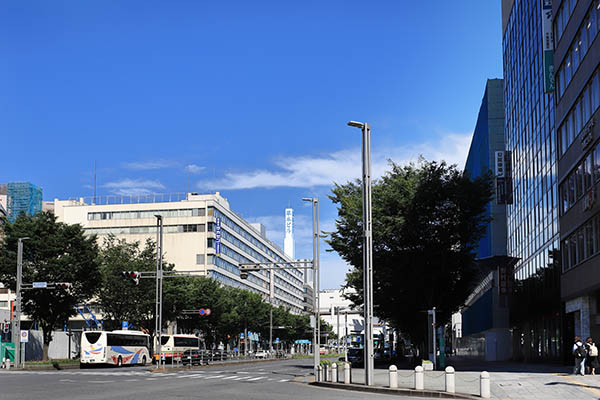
47 333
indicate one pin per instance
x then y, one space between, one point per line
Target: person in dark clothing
579 353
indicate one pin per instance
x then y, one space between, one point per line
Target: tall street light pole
16 333
317 327
158 316
271 290
367 248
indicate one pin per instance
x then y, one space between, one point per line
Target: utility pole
317 327
346 335
158 316
367 248
434 339
16 333
271 290
337 313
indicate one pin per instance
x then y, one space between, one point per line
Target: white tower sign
288 241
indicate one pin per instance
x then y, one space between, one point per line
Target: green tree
55 252
427 218
121 299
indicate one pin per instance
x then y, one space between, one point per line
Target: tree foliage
427 219
120 299
55 252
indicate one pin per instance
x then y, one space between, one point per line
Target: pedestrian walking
591 360
579 353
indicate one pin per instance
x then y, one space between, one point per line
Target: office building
191 240
22 197
532 218
484 329
577 60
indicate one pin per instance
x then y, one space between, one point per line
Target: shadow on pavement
474 365
573 384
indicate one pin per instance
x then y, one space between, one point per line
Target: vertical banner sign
289 221
218 237
500 179
548 47
508 190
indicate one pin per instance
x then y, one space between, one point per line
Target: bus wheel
144 361
120 362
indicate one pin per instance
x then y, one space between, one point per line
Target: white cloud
344 165
134 186
148 165
194 169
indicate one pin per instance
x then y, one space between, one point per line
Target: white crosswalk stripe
215 377
257 378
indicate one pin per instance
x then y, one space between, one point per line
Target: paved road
263 380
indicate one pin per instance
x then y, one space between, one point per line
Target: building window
200 259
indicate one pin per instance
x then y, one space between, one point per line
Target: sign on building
503 172
548 46
218 237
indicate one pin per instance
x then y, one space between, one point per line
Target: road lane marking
257 378
241 378
215 377
230 377
283 380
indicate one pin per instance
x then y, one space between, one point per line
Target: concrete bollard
484 385
334 372
393 377
346 373
450 386
328 372
419 385
319 376
7 363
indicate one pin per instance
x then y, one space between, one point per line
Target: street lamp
158 317
367 247
317 327
16 333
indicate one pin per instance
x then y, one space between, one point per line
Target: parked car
356 356
261 354
192 357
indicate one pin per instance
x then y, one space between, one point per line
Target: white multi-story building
189 238
337 312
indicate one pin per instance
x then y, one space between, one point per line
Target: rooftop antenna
94 181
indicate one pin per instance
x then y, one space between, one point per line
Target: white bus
114 348
173 346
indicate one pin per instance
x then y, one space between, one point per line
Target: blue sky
250 99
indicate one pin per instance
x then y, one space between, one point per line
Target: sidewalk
508 381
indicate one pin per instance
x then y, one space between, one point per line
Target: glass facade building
532 218
577 58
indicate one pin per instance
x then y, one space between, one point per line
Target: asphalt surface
277 380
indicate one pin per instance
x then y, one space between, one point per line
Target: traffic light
249 268
133 275
65 285
243 275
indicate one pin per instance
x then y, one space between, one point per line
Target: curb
397 392
52 367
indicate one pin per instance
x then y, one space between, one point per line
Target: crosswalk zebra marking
215 377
